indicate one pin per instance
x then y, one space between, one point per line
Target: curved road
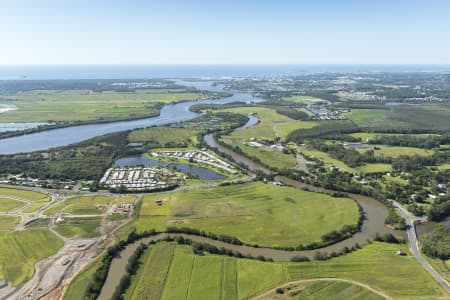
414 245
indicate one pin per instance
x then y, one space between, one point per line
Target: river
170 113
374 212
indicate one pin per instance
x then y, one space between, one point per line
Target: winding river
170 113
374 212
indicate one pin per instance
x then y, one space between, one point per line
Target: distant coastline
69 72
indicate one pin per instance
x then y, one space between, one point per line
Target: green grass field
151 283
391 151
256 213
80 283
191 276
367 117
38 199
87 205
324 290
325 158
7 223
7 204
266 155
79 227
425 116
302 99
378 266
195 277
271 123
85 105
20 250
374 168
164 135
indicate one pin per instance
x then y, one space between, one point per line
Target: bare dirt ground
53 273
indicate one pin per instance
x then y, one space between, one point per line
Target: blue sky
224 32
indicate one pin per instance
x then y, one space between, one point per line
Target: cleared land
79 227
37 199
200 277
87 205
7 204
255 213
20 250
427 116
8 223
220 277
85 105
378 266
367 117
391 151
303 99
374 168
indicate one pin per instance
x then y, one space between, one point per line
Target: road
414 244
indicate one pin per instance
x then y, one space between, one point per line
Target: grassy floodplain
256 213
37 199
303 99
164 135
20 250
324 290
271 125
86 105
7 204
87 205
191 276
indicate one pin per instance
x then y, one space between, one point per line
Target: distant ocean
30 72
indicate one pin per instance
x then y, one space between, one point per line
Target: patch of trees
210 106
130 270
328 130
223 238
387 238
440 209
86 160
437 243
408 163
426 142
350 157
395 220
293 113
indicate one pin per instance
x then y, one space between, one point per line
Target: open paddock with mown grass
37 199
374 168
271 125
7 223
255 213
392 151
8 204
170 271
20 250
